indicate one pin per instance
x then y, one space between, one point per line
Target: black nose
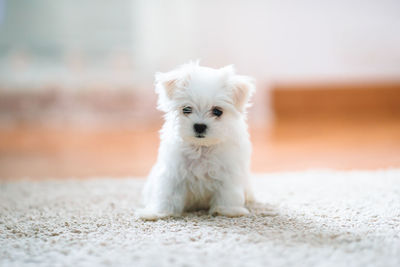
199 128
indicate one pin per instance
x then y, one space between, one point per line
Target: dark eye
187 110
217 111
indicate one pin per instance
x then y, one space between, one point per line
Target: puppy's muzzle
200 129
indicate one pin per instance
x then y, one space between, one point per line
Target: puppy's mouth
201 140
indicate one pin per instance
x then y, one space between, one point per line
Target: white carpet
319 218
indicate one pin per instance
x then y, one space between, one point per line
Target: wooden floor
43 152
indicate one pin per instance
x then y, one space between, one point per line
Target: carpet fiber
314 218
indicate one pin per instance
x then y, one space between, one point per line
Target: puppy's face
206 103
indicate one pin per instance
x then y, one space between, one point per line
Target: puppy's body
201 168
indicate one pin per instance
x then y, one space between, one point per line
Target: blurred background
76 81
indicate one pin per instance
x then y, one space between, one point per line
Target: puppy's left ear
242 88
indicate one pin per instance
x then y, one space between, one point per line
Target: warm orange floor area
42 152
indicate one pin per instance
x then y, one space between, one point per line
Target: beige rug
315 218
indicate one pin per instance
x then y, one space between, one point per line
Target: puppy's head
207 104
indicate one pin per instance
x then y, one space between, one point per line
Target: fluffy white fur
210 172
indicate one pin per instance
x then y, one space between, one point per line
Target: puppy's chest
203 167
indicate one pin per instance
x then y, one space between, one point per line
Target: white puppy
204 155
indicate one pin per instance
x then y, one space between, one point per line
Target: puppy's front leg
229 201
164 200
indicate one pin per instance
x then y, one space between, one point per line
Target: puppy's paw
229 211
150 215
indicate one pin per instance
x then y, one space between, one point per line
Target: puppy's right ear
168 83
165 85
